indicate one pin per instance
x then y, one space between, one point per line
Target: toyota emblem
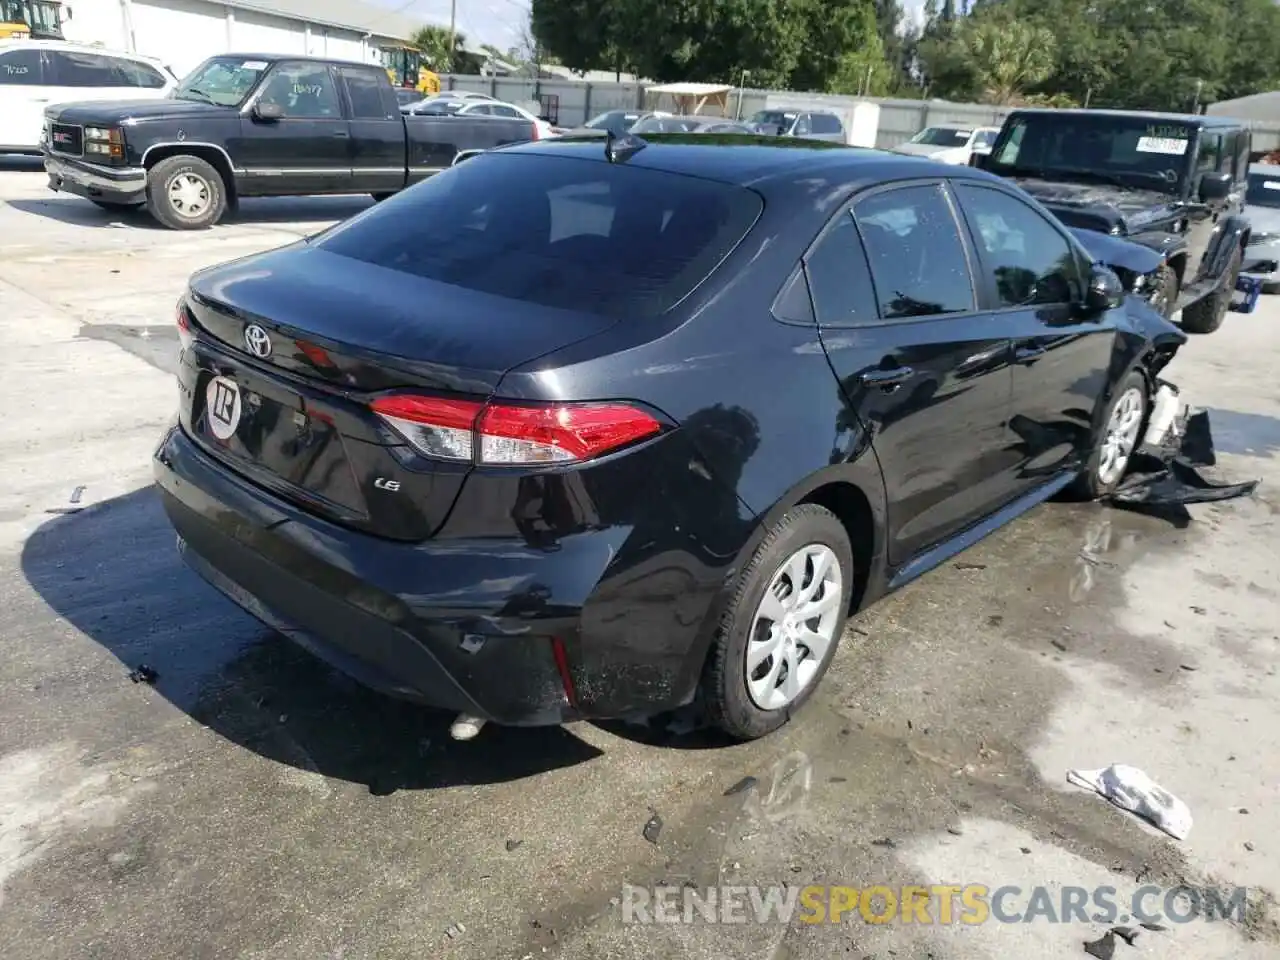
256 339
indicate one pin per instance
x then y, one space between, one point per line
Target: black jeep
1171 183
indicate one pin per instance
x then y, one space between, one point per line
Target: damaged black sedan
584 429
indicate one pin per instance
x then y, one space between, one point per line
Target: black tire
1206 314
1165 298
1090 484
379 197
724 683
1271 288
115 206
206 183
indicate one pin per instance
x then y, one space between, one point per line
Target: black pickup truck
1171 183
247 125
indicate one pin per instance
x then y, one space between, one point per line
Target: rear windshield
576 234
1264 190
942 137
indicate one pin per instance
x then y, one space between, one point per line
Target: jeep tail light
503 434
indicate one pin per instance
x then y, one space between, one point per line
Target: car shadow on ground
1250 434
253 211
112 571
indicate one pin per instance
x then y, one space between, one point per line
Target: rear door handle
887 380
341 134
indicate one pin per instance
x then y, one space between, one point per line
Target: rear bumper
117 185
460 624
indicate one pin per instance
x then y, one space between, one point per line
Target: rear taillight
506 434
185 333
537 132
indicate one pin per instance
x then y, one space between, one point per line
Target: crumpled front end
1164 473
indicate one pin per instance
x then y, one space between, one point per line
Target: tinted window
20 68
838 279
130 73
616 239
501 111
304 90
1244 146
917 258
942 137
803 126
365 88
1028 260
83 70
1209 156
826 123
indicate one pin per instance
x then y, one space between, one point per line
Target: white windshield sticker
1271 185
254 65
1168 145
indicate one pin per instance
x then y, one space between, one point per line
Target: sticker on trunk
222 407
1170 146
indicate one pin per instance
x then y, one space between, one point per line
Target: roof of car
73 47
291 57
752 161
1194 119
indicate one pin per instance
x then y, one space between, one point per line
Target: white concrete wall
182 33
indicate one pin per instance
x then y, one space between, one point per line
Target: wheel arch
210 153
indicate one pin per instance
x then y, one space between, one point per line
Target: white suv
37 73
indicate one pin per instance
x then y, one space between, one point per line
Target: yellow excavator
404 66
31 19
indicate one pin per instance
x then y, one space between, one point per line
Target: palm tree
1007 56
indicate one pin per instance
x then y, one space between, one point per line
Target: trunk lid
287 349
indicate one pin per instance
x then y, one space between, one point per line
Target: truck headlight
104 142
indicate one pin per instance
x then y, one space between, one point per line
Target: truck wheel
780 632
1207 313
186 193
1165 298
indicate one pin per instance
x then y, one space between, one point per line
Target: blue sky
499 22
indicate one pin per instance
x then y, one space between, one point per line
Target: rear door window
611 239
917 258
75 69
366 90
838 277
826 123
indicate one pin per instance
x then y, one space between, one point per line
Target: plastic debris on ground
1132 790
144 674
1163 473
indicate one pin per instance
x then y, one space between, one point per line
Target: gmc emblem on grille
62 138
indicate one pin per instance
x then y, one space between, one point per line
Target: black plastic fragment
742 786
653 828
143 674
1127 934
1104 948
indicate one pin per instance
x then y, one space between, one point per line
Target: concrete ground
252 804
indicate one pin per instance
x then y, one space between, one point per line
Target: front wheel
186 193
1206 315
780 632
1119 437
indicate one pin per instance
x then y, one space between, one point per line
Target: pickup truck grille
67 139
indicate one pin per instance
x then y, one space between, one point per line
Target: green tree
1006 57
433 41
584 34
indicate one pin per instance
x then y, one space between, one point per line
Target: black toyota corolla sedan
588 430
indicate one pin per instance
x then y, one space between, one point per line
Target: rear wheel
781 630
186 193
1206 314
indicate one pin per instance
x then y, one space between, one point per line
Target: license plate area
269 433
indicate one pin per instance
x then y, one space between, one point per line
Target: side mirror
979 160
1214 186
1105 291
267 112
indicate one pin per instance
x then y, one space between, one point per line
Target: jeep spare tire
186 193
